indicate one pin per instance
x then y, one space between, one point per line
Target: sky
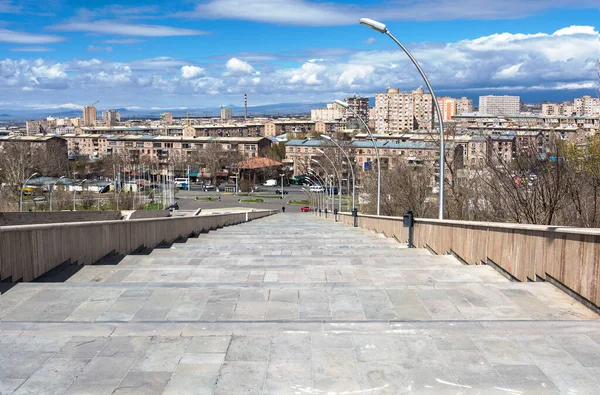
207 53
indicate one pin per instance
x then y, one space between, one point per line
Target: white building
587 106
499 105
111 116
226 113
333 112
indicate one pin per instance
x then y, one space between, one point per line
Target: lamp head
326 137
378 26
341 103
320 151
314 160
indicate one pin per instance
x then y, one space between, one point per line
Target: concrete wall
568 256
52 217
28 251
141 214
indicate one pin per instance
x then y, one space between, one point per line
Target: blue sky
204 53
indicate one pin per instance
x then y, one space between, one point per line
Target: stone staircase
295 304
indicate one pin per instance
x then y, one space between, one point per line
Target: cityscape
295 197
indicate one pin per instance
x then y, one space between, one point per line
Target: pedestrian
283 209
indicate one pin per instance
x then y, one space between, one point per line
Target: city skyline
207 54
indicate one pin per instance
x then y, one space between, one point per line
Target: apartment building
225 130
159 149
300 153
499 105
448 107
464 106
89 116
111 117
403 111
278 127
587 106
39 147
332 112
226 113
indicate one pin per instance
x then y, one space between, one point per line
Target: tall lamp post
328 176
23 189
350 165
52 190
75 191
320 182
282 175
347 106
381 28
338 177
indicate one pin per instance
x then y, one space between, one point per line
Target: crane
94 103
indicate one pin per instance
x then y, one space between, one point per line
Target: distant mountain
5 116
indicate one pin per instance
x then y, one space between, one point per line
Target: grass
252 201
267 196
302 202
206 199
152 206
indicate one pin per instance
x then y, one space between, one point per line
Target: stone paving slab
308 307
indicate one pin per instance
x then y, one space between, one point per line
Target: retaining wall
563 255
28 251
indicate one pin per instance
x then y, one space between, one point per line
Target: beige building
587 106
333 112
464 106
166 118
278 127
499 105
111 117
89 116
224 130
403 111
558 109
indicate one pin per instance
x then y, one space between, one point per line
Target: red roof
258 163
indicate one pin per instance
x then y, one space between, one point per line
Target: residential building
587 106
89 116
333 112
448 107
360 105
224 130
402 111
166 118
464 106
281 126
226 113
43 150
499 105
40 127
111 117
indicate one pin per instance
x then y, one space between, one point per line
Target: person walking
283 209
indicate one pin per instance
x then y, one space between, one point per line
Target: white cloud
123 41
93 48
370 41
189 72
31 49
126 29
11 36
236 66
507 62
313 13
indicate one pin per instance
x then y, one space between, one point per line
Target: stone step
316 274
323 302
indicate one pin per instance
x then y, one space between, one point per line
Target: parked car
317 188
280 192
39 199
305 209
209 187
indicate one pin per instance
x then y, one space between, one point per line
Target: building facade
111 117
397 111
464 106
499 105
448 107
89 116
587 106
226 113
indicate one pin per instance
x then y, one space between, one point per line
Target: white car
317 188
270 183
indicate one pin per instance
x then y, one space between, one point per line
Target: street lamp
337 175
22 189
321 183
350 165
381 28
282 175
75 191
52 190
329 177
347 106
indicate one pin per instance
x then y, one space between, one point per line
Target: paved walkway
294 304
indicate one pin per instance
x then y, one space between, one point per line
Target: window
128 144
168 145
185 145
139 144
156 145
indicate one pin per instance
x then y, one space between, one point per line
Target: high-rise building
499 105
423 109
333 112
397 111
448 107
226 113
586 106
111 116
89 116
464 106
